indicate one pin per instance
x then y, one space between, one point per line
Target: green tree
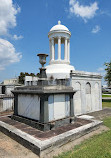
108 73
38 74
21 78
32 74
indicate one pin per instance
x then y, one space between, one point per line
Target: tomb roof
59 27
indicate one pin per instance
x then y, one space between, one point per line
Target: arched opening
56 52
88 97
88 88
62 51
3 89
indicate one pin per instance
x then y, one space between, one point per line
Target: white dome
59 71
59 27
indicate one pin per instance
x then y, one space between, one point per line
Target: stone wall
88 97
6 103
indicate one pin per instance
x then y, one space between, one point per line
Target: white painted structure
88 97
30 80
6 103
6 96
59 68
10 81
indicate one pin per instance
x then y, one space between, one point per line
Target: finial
59 22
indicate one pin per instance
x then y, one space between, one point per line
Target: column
15 104
59 48
50 46
68 51
71 109
44 111
53 48
65 50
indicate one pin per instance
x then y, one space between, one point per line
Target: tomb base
44 126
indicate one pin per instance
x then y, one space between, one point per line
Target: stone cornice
85 74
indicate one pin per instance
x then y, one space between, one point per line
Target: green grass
105 96
106 103
98 146
107 93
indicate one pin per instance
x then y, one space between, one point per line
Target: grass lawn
106 103
105 96
98 146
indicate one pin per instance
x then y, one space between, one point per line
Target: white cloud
8 54
8 14
85 12
96 29
101 70
17 37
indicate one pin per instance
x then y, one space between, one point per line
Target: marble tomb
44 106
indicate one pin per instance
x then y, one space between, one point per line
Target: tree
108 73
32 74
21 78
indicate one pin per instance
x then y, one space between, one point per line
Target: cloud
96 29
17 37
85 12
8 54
8 14
101 70
105 12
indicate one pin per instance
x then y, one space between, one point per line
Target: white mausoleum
88 97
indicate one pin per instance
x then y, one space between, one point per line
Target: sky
24 27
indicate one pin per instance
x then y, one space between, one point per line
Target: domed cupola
59 34
59 27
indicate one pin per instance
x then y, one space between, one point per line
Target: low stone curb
43 148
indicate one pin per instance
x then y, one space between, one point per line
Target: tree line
21 77
108 73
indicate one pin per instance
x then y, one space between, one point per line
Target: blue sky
25 24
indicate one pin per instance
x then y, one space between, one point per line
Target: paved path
106 98
100 115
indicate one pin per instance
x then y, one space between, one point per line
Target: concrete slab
86 117
44 147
